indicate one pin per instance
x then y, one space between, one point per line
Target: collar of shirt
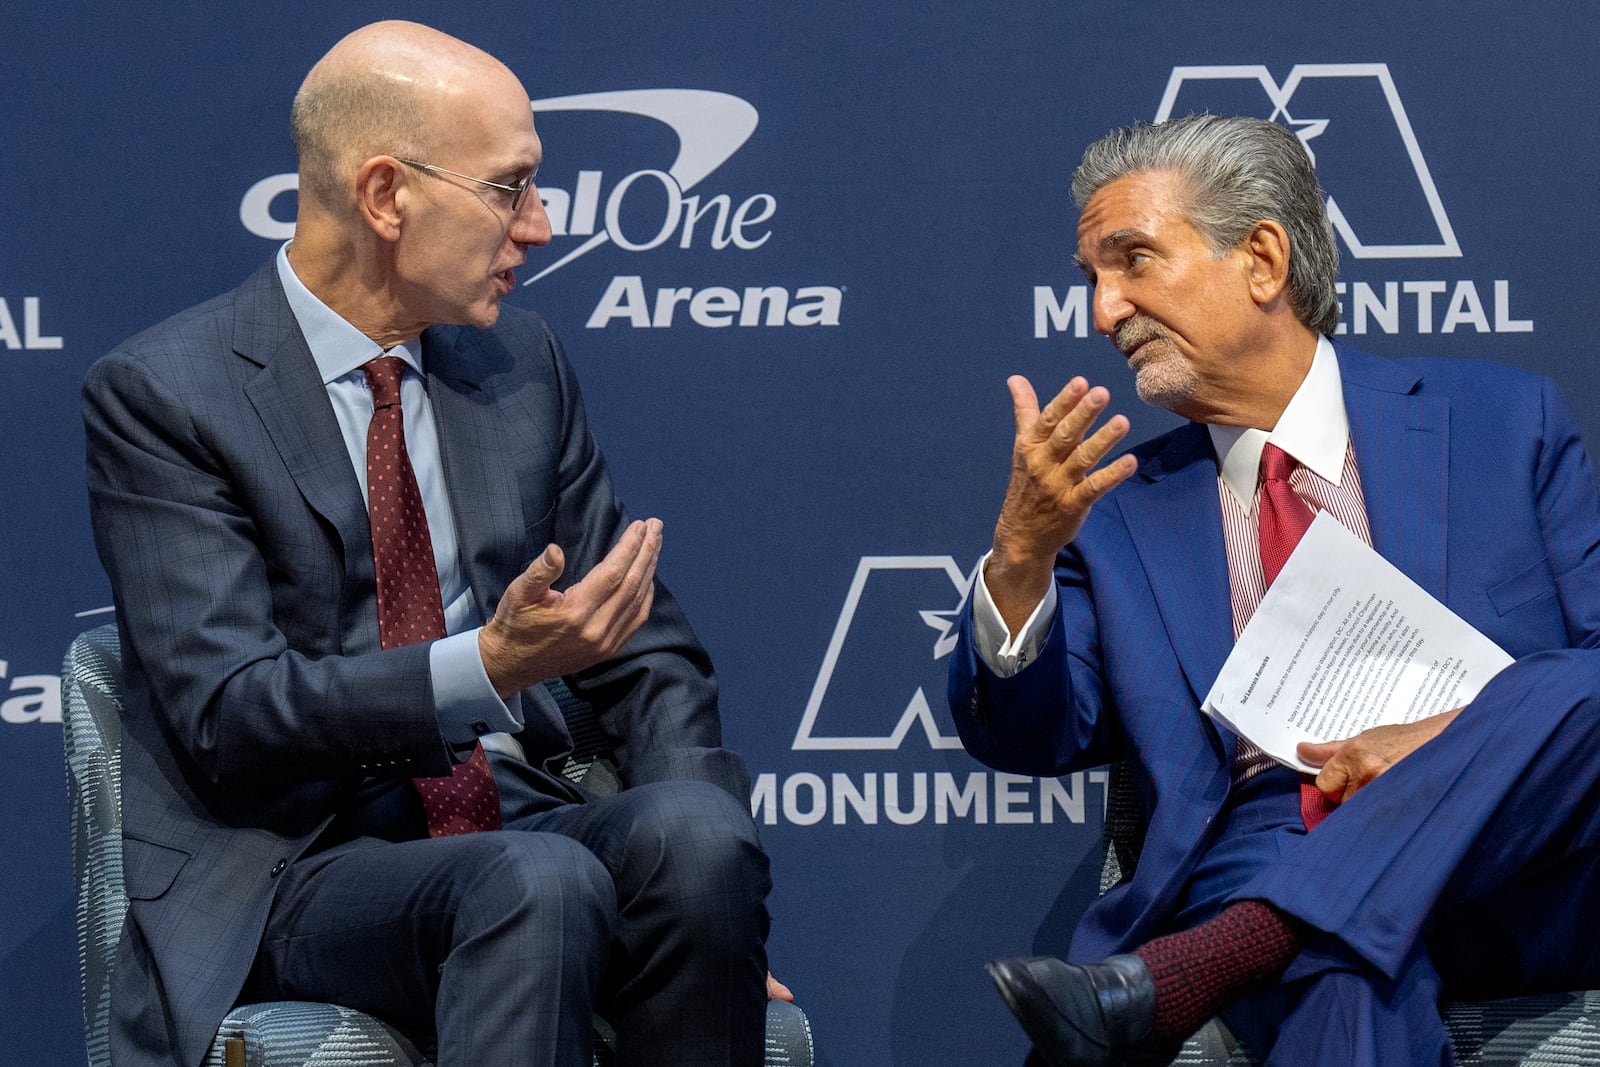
1314 429
338 348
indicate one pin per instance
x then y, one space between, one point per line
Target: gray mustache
1134 332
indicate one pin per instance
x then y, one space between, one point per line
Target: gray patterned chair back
279 1033
276 1034
1555 1030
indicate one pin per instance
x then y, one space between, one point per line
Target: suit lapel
485 496
467 371
1175 520
1401 443
292 403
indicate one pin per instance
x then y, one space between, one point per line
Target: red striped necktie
1282 518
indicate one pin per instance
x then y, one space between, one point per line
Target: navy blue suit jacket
1476 487
230 521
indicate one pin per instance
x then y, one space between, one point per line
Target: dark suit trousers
648 906
1470 869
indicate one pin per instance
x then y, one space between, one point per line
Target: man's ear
1267 247
381 196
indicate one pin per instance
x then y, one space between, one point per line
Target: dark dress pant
495 948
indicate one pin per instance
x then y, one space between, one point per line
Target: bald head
386 89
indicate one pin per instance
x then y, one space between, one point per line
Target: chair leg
233 1052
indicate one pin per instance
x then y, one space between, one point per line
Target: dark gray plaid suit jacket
232 526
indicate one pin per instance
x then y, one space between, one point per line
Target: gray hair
1237 172
339 122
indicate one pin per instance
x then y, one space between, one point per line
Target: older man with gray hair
1453 856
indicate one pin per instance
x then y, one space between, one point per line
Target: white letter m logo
1369 151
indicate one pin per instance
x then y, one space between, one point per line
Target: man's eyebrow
1119 239
1113 242
513 169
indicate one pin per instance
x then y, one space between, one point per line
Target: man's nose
531 223
1111 307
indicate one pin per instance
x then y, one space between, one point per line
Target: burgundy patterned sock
1200 971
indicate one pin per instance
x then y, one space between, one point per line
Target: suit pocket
1523 588
149 869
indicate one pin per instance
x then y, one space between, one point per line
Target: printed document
1343 642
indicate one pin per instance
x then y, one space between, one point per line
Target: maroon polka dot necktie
1282 518
409 606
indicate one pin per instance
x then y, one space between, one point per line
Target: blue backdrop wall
793 297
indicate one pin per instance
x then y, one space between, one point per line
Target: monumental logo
880 691
1382 198
649 207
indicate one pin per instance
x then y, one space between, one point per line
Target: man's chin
484 315
1165 387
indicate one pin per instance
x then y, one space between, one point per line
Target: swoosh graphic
711 127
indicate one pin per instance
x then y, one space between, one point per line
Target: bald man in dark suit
281 735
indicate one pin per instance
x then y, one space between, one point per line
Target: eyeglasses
517 191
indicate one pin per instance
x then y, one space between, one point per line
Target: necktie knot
1276 464
383 378
1281 516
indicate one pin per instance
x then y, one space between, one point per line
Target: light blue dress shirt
466 701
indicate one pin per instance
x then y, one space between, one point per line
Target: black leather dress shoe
1081 1016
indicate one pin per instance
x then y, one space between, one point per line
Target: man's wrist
465 699
1007 649
1017 584
496 664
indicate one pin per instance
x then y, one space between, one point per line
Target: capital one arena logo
1382 197
646 210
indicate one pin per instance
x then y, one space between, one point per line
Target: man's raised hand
538 632
1055 480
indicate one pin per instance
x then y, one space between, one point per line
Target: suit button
277 868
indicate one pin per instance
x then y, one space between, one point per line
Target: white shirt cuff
1006 654
468 707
